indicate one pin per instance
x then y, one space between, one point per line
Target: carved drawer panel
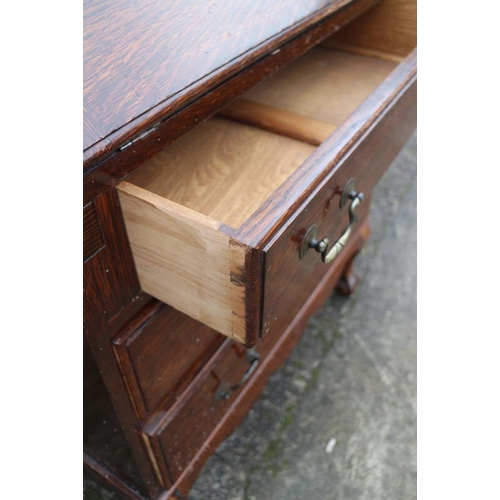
177 435
160 352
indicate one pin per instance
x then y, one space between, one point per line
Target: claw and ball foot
348 281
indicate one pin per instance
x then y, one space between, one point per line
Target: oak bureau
230 153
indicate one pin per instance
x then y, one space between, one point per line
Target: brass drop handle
253 357
321 246
225 391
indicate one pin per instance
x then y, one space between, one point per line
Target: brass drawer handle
253 358
321 246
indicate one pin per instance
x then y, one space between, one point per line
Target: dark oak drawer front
161 353
290 279
181 433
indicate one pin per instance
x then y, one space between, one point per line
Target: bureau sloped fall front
232 235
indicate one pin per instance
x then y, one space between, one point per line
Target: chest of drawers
230 153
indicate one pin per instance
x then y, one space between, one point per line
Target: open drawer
228 223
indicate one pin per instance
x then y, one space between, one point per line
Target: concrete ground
351 378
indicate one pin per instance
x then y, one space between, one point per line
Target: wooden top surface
146 59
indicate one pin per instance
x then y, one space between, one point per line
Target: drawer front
289 278
160 353
182 432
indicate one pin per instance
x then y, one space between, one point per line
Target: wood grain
184 260
143 61
293 194
188 259
183 430
222 169
161 353
93 240
109 262
96 332
324 84
362 51
289 281
279 121
103 436
126 100
105 164
390 27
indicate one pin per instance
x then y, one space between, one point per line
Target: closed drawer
177 435
220 220
160 353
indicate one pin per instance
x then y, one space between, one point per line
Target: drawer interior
321 88
228 166
222 169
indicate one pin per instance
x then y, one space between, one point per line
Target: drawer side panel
183 260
